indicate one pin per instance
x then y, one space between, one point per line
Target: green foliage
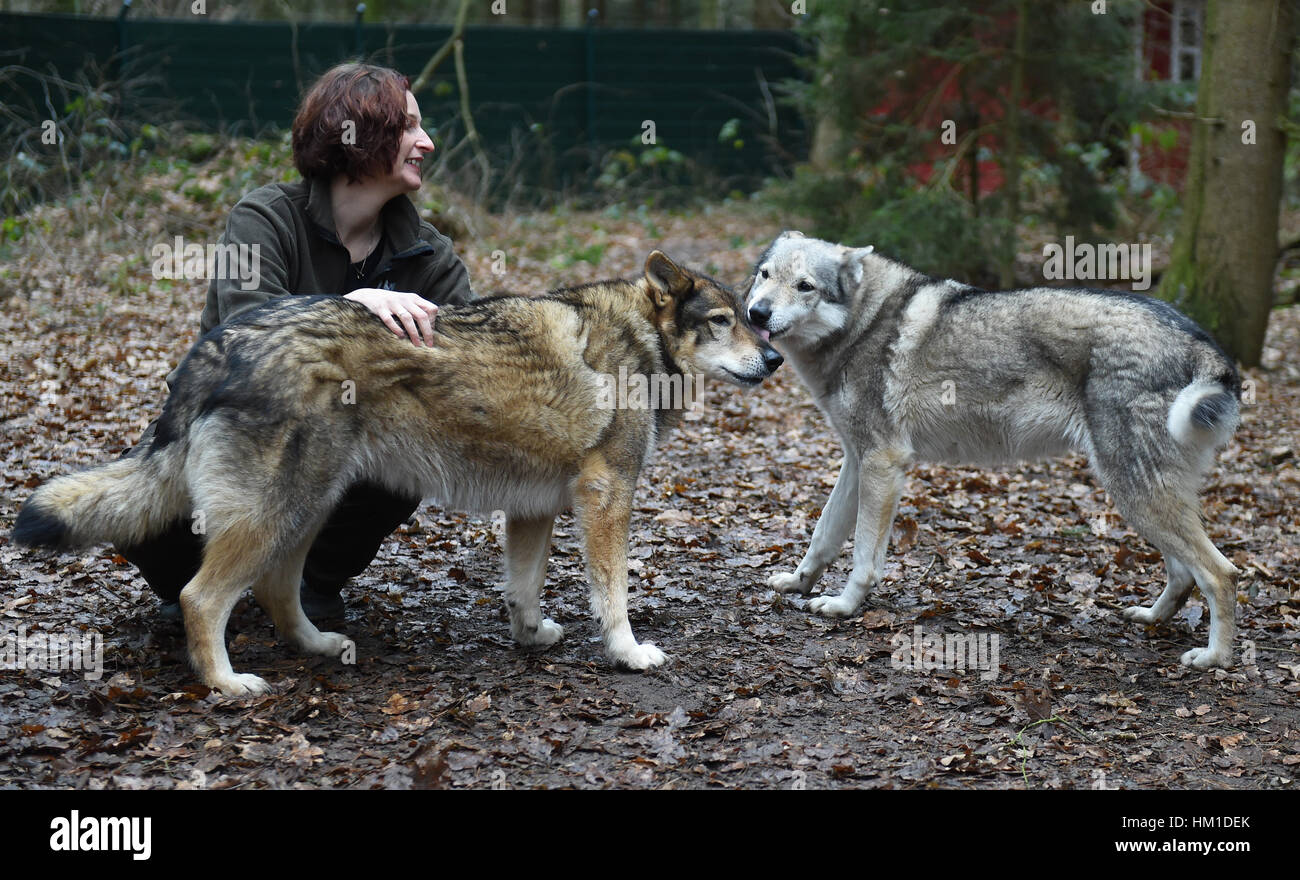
889 78
647 221
12 228
197 147
198 193
729 134
591 253
1291 161
639 164
122 281
932 228
50 153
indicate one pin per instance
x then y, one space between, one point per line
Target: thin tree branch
431 65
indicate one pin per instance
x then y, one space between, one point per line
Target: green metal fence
585 87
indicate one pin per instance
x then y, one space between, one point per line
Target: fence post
121 26
360 43
121 51
592 15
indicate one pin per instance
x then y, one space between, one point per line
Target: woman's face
415 144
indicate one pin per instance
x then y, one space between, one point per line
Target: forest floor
759 692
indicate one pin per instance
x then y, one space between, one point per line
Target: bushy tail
123 502
1205 413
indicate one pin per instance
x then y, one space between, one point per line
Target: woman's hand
415 313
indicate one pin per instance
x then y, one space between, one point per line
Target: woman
346 229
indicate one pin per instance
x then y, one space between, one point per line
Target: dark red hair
373 99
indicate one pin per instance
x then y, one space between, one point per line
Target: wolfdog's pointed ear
665 278
851 268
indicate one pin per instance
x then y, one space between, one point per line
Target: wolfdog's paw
642 656
236 685
788 582
548 632
326 644
1207 658
1141 615
833 606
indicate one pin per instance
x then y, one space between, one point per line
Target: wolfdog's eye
762 273
720 320
804 286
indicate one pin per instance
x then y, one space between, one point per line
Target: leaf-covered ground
758 693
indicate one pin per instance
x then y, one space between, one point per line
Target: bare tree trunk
773 14
710 14
827 150
1011 150
830 144
1225 253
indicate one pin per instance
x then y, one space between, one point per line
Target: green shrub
931 228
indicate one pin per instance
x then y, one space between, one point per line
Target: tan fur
274 415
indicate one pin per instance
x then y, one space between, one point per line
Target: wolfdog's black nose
772 359
759 313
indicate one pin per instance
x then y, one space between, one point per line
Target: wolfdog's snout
771 358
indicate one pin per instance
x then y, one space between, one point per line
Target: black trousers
345 546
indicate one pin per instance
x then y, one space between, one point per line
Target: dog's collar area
670 365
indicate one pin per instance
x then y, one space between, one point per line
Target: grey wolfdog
274 414
907 366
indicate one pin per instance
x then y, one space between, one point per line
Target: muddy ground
759 693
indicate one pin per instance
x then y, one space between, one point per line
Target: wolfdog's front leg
603 504
880 484
833 527
233 558
527 543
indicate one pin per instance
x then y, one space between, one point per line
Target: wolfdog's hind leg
278 592
1173 525
1214 574
233 557
527 544
1172 598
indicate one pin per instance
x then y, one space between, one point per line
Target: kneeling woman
346 229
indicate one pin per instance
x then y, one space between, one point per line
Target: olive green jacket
298 252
